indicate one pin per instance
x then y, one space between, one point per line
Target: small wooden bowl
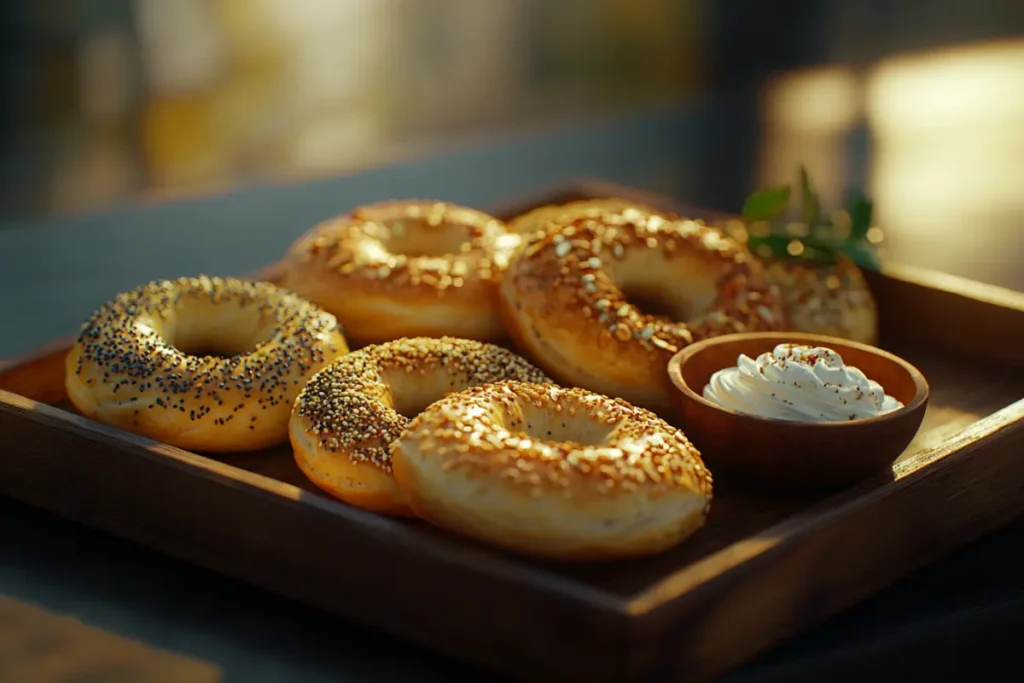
800 454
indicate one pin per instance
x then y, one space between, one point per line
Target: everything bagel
569 299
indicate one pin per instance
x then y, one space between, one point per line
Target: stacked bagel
507 377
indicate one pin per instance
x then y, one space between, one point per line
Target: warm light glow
822 99
949 88
947 144
946 176
807 114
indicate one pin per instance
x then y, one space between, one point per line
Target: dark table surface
961 616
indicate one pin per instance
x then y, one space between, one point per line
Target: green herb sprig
819 238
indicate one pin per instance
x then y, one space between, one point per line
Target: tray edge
632 613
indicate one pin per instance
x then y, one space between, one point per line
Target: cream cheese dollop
799 382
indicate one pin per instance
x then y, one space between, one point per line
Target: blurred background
919 101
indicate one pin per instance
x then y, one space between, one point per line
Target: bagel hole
204 346
560 428
670 290
409 400
658 304
416 238
204 352
225 331
410 408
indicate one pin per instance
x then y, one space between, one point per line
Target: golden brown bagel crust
504 464
354 267
563 302
125 370
828 299
348 415
535 220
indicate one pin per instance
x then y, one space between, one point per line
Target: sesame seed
348 406
365 248
477 433
613 251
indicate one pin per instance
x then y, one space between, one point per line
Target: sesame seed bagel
143 361
831 299
348 415
558 473
569 299
405 269
535 220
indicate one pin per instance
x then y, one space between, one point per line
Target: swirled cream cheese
798 382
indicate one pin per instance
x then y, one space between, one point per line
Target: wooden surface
38 646
765 566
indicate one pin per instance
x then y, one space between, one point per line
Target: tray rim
648 607
669 588
906 473
655 595
502 567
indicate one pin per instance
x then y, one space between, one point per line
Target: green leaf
815 250
864 254
811 201
822 245
860 217
776 245
766 204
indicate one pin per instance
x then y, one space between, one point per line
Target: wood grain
829 556
413 582
39 646
766 565
950 313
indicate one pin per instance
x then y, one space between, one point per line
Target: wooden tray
762 569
